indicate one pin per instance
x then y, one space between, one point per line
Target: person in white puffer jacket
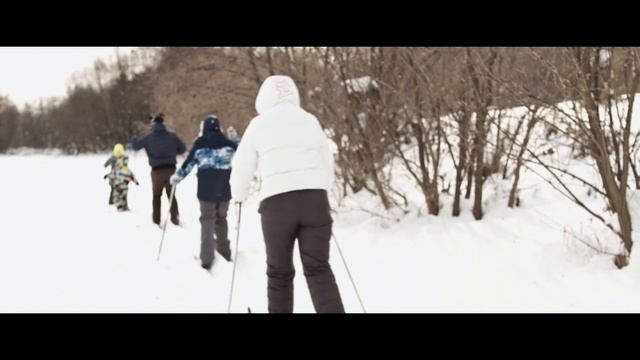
290 152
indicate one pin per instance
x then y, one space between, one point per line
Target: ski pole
166 220
235 263
348 272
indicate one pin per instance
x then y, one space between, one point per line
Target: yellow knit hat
118 150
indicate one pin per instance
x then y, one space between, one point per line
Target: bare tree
586 84
480 63
513 198
9 116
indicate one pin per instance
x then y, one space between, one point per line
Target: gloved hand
175 179
136 182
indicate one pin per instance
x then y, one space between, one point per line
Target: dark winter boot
226 254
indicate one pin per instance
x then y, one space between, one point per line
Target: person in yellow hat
119 178
118 151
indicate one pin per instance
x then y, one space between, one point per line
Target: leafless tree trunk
482 89
513 199
463 135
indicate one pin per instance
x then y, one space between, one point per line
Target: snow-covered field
63 249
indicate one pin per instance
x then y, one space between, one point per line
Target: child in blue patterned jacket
211 153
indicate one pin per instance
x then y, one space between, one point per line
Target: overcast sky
30 73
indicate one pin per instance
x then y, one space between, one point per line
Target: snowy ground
63 249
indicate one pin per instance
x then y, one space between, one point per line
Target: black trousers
303 215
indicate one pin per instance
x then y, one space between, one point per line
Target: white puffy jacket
284 143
